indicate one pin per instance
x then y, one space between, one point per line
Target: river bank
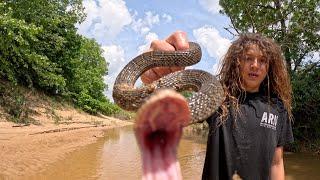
28 149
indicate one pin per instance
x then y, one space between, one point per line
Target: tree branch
251 19
283 33
233 25
227 29
311 67
298 61
266 7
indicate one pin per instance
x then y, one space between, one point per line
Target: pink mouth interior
253 75
158 131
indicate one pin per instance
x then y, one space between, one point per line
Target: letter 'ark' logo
269 121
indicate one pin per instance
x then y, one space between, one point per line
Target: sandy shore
30 149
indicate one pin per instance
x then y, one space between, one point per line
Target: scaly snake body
202 103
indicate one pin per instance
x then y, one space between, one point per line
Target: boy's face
253 68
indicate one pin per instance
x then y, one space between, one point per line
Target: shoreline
31 149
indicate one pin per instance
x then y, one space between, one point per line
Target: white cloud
105 19
144 30
144 25
115 56
151 19
148 39
211 5
215 69
167 18
210 38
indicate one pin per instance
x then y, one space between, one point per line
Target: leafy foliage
40 48
20 61
307 104
86 71
295 24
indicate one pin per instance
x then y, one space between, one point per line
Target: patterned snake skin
204 101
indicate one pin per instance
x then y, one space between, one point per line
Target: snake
162 112
208 91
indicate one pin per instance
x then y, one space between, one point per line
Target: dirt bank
30 149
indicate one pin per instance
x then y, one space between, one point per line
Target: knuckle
155 43
179 39
179 33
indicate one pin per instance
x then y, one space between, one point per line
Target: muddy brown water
117 156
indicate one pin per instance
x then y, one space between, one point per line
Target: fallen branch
65 129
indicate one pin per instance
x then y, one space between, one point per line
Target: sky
125 29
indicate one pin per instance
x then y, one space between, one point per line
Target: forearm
277 170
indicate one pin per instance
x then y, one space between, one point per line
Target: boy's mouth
253 75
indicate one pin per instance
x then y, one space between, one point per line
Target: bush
15 103
93 106
306 106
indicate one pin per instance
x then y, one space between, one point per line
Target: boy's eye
249 58
263 60
259 60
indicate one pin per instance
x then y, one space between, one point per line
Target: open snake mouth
158 130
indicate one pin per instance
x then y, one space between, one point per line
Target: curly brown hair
277 80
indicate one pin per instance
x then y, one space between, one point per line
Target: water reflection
302 166
121 158
80 164
117 156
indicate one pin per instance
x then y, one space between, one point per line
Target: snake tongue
158 130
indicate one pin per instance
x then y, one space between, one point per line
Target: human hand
176 41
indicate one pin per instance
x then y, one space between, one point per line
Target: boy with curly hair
248 132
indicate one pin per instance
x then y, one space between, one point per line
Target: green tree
88 69
58 40
295 25
86 84
20 60
40 48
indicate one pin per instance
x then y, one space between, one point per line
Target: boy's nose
255 63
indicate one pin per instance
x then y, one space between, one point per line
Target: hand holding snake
162 112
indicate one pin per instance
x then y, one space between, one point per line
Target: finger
162 71
179 40
158 72
155 73
161 45
176 41
149 76
176 68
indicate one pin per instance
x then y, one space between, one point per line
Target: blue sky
125 28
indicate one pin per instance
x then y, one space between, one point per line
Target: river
117 156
